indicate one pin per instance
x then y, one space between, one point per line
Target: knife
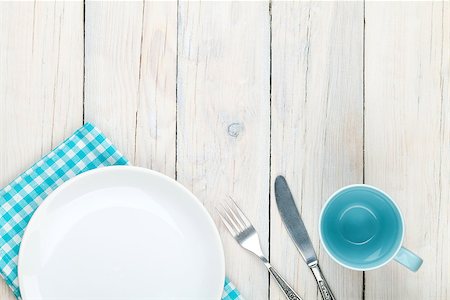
294 225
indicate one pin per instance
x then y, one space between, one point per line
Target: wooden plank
41 83
130 83
113 39
156 111
317 127
407 138
223 120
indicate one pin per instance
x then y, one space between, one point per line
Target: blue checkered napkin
86 149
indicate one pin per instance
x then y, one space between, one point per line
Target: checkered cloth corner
230 292
86 149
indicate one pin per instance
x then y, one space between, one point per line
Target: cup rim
378 190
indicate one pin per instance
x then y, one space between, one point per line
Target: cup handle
408 259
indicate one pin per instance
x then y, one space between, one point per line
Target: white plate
121 233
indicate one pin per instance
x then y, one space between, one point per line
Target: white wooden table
225 96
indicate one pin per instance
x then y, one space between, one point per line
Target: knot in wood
234 129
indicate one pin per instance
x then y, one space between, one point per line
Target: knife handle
287 290
324 288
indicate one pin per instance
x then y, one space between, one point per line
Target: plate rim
106 169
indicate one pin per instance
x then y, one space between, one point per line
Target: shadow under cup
361 227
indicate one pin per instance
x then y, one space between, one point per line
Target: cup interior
361 227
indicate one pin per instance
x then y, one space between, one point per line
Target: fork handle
324 288
287 289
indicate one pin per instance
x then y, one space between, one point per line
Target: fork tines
233 217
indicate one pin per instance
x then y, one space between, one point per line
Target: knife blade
293 222
297 230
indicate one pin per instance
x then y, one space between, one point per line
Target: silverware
245 234
297 231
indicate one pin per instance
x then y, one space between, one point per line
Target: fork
245 234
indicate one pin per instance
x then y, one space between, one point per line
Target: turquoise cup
362 229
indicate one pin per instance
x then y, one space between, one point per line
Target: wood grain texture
407 138
113 37
130 80
317 132
156 108
223 120
41 83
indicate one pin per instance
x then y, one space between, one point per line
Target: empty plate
121 233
